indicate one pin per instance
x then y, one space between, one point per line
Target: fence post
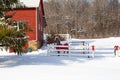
93 49
116 48
48 49
69 50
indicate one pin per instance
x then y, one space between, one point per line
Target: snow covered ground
38 66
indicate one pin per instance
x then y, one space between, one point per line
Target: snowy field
38 66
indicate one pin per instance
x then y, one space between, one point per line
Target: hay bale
33 45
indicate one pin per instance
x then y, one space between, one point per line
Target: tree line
83 18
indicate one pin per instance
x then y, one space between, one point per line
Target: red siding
28 15
39 26
35 19
41 23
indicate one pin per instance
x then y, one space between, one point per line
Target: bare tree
84 18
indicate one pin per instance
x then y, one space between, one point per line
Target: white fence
70 50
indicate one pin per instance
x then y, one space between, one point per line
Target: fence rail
70 50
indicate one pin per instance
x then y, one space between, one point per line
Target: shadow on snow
10 61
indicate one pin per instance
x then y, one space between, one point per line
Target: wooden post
48 49
69 51
93 49
116 48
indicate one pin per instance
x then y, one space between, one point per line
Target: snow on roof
31 3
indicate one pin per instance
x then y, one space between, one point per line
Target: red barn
34 15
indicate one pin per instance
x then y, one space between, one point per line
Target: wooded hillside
83 18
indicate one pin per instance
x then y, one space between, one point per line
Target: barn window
19 24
